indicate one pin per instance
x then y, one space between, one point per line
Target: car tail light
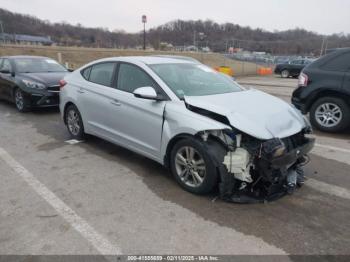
303 80
62 83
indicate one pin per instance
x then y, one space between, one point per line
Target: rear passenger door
296 67
95 99
346 62
336 72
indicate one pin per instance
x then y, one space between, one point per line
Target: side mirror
146 92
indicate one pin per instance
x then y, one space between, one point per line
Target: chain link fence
75 57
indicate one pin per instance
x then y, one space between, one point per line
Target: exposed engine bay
253 170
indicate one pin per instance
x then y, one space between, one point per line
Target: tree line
218 37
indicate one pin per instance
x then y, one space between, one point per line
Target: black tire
21 101
285 73
210 179
77 132
345 111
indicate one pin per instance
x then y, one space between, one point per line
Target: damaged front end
253 170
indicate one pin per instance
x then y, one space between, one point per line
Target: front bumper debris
273 177
293 155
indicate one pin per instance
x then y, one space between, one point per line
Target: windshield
38 65
194 79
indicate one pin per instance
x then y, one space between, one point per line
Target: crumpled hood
253 112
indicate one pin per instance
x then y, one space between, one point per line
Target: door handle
115 102
81 91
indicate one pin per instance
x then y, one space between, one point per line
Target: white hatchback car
208 130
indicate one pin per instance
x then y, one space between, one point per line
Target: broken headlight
273 148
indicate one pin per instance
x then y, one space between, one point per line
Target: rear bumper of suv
299 105
298 102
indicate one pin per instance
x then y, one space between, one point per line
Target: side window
297 62
6 65
1 63
339 63
102 74
131 77
86 73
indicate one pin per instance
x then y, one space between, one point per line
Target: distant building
233 50
25 39
164 46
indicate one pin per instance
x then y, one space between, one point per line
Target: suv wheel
74 122
330 114
192 166
285 73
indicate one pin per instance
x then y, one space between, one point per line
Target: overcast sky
322 16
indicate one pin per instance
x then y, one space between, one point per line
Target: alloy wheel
73 122
328 115
19 99
190 166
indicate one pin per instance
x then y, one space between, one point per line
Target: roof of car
186 58
24 56
150 60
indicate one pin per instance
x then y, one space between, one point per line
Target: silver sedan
209 131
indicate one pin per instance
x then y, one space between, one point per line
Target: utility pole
194 38
326 48
322 46
144 21
2 32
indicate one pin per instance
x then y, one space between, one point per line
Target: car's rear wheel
330 114
74 122
193 167
21 101
285 73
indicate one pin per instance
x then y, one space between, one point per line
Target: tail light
62 83
303 80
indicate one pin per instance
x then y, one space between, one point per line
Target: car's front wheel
193 167
74 122
21 101
330 114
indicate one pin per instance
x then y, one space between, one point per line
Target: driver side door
138 121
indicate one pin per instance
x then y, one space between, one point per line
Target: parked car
291 68
324 91
201 124
30 81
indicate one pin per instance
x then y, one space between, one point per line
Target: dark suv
324 91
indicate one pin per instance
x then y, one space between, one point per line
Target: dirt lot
97 198
77 56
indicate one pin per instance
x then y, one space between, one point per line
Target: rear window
297 62
339 63
102 74
86 73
